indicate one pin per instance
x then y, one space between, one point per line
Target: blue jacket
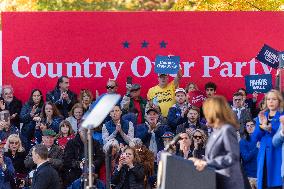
55 123
141 131
78 184
110 126
25 116
7 176
54 126
98 137
278 140
5 134
28 129
272 155
174 118
249 153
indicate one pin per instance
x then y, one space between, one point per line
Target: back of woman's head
217 110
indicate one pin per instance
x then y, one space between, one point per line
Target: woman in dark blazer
222 151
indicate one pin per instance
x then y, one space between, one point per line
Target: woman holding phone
130 172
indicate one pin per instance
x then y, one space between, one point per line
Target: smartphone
123 156
155 101
4 116
129 80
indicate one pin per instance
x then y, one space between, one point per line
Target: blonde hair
88 93
191 83
14 136
279 98
203 136
217 110
77 105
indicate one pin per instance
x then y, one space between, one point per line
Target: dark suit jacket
245 115
45 177
55 155
223 153
63 106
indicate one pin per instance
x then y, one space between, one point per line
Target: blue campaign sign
281 59
269 56
258 83
167 64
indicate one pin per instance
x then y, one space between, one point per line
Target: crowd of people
42 142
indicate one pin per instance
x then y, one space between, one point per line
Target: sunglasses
12 142
110 87
197 137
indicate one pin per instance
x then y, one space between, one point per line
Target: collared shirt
40 164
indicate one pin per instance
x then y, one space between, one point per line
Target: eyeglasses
197 137
110 87
14 142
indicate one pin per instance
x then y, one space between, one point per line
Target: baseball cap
135 87
48 132
180 90
152 109
168 134
162 74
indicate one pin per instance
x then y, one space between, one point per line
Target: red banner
91 47
196 98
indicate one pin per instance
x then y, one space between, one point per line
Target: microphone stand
85 155
108 161
173 142
89 144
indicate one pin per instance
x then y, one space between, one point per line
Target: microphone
173 142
